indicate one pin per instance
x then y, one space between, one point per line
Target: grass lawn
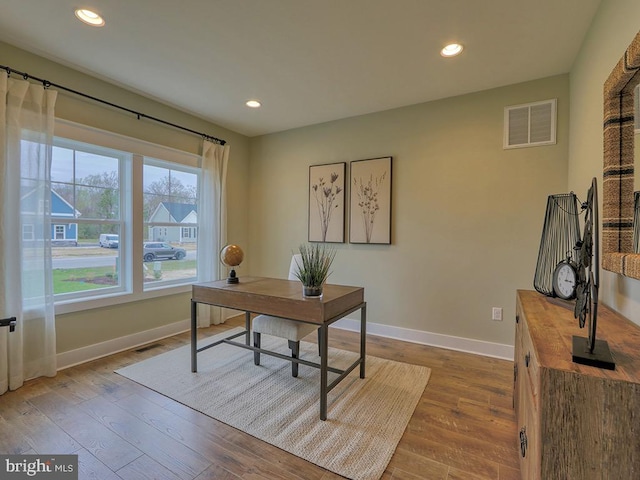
66 280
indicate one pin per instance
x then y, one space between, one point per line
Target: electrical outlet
496 314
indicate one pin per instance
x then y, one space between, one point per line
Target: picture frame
370 201
327 203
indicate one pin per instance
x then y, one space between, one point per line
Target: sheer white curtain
26 131
212 220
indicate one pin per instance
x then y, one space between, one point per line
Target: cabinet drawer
528 434
529 367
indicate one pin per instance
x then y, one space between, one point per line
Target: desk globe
232 256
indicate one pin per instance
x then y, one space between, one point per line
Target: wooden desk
283 298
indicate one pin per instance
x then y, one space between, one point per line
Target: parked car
109 240
156 250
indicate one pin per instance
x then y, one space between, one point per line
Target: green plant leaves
316 261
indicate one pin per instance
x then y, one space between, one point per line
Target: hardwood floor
463 427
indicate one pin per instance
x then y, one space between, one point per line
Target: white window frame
135 290
27 229
124 166
55 231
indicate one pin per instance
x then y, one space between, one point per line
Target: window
170 207
189 234
110 197
86 203
27 232
59 232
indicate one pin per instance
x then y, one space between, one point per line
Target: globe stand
232 277
231 256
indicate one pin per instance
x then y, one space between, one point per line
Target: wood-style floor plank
203 441
169 453
239 442
90 468
463 427
41 433
97 439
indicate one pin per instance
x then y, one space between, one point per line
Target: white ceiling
307 61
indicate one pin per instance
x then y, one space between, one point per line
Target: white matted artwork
327 202
370 203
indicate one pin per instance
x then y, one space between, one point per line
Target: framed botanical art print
370 201
327 202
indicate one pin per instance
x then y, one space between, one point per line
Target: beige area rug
366 417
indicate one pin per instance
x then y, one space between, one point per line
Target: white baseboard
103 349
468 345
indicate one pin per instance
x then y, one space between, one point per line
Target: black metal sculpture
560 234
590 351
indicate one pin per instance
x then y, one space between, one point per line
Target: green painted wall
467 214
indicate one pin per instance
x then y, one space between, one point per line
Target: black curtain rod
47 84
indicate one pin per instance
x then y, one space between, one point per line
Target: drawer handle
517 318
523 441
527 359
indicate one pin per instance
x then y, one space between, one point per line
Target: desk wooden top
282 298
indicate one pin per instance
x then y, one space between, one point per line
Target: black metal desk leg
324 349
194 336
247 327
363 338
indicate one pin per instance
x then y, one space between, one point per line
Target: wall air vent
530 125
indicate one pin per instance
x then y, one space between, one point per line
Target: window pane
98 202
85 206
62 200
94 169
169 262
62 165
85 183
171 219
169 186
85 265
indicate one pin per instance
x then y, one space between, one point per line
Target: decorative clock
565 279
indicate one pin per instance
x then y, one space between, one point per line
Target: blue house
61 233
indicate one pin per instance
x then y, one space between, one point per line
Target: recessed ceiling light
90 17
451 50
253 103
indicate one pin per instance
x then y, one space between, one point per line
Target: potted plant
313 268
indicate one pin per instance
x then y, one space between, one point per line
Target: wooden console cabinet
575 421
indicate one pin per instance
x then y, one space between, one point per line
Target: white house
172 212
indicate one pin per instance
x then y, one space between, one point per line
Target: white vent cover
530 125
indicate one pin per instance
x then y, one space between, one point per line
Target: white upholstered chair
281 327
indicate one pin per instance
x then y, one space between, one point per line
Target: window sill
71 306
